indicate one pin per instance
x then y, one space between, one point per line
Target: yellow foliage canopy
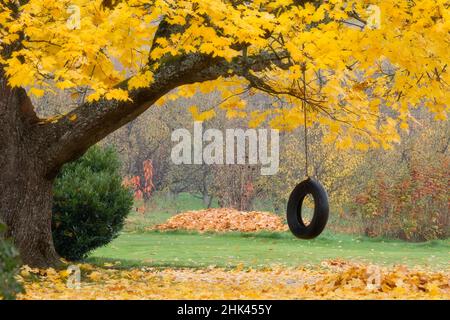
352 62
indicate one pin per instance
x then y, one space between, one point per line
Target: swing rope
308 186
304 105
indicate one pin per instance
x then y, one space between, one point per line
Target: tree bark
25 192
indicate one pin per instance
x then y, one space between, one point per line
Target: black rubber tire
294 209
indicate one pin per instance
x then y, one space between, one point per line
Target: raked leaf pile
223 220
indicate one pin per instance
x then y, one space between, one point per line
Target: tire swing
309 186
294 209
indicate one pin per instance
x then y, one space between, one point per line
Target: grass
137 247
162 207
184 249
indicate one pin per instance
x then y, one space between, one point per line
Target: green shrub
9 266
90 204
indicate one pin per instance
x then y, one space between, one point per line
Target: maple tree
121 57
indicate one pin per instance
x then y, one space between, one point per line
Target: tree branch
68 139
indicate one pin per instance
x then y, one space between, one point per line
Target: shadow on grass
122 264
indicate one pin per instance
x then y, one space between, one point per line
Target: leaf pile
374 282
222 220
332 281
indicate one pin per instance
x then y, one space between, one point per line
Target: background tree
333 167
404 193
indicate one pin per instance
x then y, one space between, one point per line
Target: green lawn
160 208
136 247
183 249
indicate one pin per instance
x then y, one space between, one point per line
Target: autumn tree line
397 192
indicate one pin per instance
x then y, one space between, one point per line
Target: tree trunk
207 200
25 191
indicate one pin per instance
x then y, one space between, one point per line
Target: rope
304 105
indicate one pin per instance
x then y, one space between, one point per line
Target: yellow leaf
37 92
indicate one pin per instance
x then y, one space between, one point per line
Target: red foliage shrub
412 205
